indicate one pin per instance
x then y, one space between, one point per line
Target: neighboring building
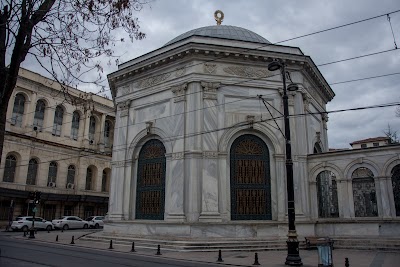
202 157
60 149
371 142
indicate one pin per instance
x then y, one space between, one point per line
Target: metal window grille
364 193
327 195
396 188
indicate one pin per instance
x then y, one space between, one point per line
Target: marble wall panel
154 111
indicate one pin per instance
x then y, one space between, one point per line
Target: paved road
28 252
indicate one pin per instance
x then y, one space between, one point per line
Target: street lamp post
293 256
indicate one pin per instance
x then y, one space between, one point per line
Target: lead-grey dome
224 32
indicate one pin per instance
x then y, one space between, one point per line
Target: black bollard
57 238
133 247
220 256
256 259
346 262
24 234
158 250
110 247
72 241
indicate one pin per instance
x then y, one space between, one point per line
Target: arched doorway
396 188
150 192
250 179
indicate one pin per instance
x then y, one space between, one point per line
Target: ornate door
250 179
150 193
396 188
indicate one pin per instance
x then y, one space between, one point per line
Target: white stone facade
32 140
197 96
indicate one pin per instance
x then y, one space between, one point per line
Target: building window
58 121
104 181
71 175
10 168
364 193
52 177
396 188
375 144
75 126
89 179
68 210
250 179
150 191
363 145
39 115
107 133
317 149
92 128
32 172
88 211
18 110
327 195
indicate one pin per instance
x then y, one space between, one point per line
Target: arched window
75 125
18 110
92 128
32 172
327 195
104 181
107 133
89 179
364 193
52 177
58 121
396 188
250 179
71 175
150 192
39 114
10 168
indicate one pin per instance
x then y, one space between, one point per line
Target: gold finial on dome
219 16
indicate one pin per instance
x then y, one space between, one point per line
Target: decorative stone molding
210 90
126 90
153 80
124 108
210 154
149 124
178 155
250 119
306 101
179 92
248 72
180 71
118 164
210 68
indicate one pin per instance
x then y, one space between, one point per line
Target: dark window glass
52 177
39 114
32 172
10 168
58 121
75 126
71 174
396 188
92 128
89 179
104 182
18 110
107 133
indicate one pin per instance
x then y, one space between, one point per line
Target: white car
24 223
70 222
95 221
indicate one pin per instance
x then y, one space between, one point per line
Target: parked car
95 221
24 223
70 222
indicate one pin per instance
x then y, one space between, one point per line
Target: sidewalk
357 258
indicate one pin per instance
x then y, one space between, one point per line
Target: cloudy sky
162 20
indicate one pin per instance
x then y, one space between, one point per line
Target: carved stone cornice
210 90
210 154
153 80
124 108
180 71
118 164
248 72
179 92
177 155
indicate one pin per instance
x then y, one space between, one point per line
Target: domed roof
223 32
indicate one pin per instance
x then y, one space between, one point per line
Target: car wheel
49 228
25 228
65 227
97 226
86 226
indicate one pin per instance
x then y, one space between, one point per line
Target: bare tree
68 38
389 132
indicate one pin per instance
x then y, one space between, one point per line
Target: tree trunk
3 118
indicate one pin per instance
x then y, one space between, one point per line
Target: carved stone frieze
306 101
153 80
210 90
126 90
179 92
178 155
124 107
118 164
210 68
248 72
180 72
210 154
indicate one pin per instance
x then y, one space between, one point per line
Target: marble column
116 199
174 195
209 192
384 194
281 187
